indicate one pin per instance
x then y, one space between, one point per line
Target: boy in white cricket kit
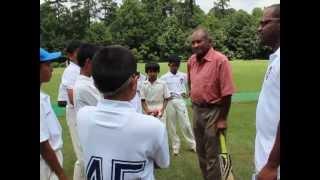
118 142
50 130
154 93
68 79
84 94
176 109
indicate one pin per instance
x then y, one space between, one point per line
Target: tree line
151 29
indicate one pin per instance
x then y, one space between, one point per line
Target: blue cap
46 56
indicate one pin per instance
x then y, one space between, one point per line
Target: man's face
173 67
200 44
269 28
45 71
152 75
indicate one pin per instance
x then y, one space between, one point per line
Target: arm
225 107
50 157
162 156
269 171
188 78
145 106
70 95
165 102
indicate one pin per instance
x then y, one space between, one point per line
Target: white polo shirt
50 128
119 142
155 93
176 83
68 79
85 93
268 112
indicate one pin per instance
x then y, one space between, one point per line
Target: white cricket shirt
119 143
50 128
68 78
268 112
176 83
85 93
155 93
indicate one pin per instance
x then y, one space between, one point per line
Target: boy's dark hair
86 51
174 59
72 46
153 67
111 68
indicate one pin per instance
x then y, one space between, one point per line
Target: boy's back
120 142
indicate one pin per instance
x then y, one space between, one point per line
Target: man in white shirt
176 109
118 142
136 101
267 144
154 93
84 94
50 130
68 80
70 74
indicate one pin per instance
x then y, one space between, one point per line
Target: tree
220 7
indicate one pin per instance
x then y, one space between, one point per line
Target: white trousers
78 173
177 111
45 172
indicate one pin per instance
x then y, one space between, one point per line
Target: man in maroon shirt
211 87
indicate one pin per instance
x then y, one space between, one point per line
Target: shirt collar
104 104
171 74
209 55
275 55
86 78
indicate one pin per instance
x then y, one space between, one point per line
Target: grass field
248 77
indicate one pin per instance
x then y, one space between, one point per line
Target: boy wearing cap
84 94
154 93
176 109
117 141
50 130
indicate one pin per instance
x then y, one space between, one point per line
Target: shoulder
85 111
164 76
160 81
182 74
220 57
151 123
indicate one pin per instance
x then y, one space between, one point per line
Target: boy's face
173 67
152 75
45 71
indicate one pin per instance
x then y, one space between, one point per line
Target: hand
267 173
184 95
221 124
161 111
62 176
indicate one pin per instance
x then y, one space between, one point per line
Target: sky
246 5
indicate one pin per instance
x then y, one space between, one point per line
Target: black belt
205 105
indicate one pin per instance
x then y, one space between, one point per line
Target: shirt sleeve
226 81
85 98
166 91
68 79
44 131
161 156
143 91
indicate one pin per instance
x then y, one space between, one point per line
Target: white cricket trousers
78 173
45 172
177 111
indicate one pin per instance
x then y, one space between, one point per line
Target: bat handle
223 143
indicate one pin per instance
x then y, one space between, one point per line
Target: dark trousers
207 140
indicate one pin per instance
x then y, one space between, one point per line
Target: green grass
248 77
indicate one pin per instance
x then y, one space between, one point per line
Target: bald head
201 42
275 10
201 32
